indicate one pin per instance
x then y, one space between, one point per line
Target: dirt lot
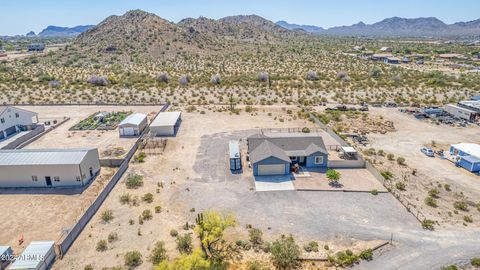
42 214
105 140
192 175
431 173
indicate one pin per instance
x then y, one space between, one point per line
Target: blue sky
21 16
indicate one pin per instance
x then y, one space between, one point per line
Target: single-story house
36 47
133 125
386 49
277 155
391 60
48 167
13 120
39 255
467 155
166 123
381 56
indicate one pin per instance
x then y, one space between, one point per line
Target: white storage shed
133 125
166 123
39 255
48 167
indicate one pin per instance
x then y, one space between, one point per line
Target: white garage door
128 131
273 169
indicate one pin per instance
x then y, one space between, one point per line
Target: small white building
13 120
462 112
166 123
39 255
48 167
133 125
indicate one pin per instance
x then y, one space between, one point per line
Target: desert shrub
305 130
158 209
184 244
449 267
401 161
447 187
285 252
346 258
400 186
468 219
98 80
163 77
366 255
125 198
434 193
184 80
475 261
430 201
387 175
460 205
147 214
427 224
311 246
159 253
263 76
107 215
255 236
133 259
256 265
134 181
375 72
312 75
390 157
374 192
88 267
216 79
101 245
148 197
112 237
173 233
140 157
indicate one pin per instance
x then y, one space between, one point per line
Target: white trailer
461 112
39 255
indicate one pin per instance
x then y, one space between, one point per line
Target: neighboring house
381 56
166 123
36 47
271 155
133 125
391 60
13 120
386 49
467 156
48 167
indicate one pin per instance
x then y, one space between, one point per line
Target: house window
34 178
2 120
78 179
56 178
83 176
318 160
17 115
293 158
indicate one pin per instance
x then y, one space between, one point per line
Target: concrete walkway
274 183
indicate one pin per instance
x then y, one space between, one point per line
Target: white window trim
317 158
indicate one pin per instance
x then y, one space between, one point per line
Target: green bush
255 236
387 175
147 214
449 267
366 255
133 259
101 245
184 244
434 193
285 252
427 224
140 157
475 261
460 205
400 186
311 247
107 215
431 201
134 181
159 253
468 219
333 175
125 198
401 161
346 258
112 237
374 192
173 233
148 198
256 265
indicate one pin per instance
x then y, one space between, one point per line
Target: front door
48 180
301 160
91 172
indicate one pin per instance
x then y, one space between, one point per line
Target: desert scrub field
305 71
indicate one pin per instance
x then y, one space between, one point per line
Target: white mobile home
48 167
39 255
13 120
166 123
133 125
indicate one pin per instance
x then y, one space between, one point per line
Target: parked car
428 152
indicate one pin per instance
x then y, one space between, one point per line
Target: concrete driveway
274 183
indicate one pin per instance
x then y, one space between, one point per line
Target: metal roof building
39 255
166 123
467 155
133 125
48 167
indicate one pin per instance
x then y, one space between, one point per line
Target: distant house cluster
36 47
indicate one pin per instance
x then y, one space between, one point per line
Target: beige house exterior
48 167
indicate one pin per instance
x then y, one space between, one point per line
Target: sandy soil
164 175
101 139
42 214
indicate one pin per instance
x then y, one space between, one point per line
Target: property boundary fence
38 136
68 239
25 137
407 204
84 104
